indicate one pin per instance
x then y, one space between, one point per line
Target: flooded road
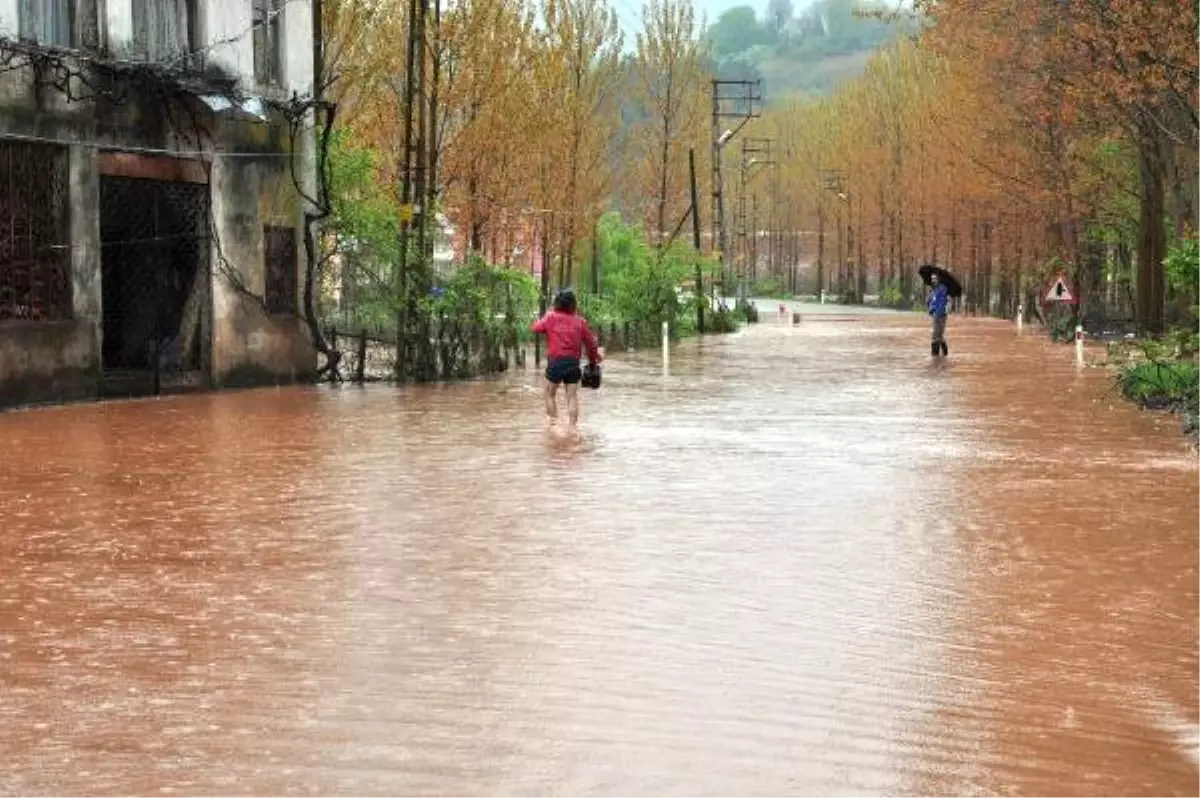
810 561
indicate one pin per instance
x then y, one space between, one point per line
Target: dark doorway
154 286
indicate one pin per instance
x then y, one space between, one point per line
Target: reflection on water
809 561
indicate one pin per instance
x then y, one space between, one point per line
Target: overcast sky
715 8
630 14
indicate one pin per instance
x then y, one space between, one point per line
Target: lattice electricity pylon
731 99
754 146
738 99
834 180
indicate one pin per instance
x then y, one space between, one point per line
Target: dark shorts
564 369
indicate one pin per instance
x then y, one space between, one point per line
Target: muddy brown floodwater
809 562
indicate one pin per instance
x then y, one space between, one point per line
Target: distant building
150 222
512 239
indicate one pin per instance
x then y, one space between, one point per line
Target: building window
47 22
268 50
161 28
35 246
279 252
87 33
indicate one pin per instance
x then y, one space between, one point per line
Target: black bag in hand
591 376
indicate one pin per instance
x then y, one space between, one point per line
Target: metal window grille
279 251
47 22
154 238
160 28
268 27
35 249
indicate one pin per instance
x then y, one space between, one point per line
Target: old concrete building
151 167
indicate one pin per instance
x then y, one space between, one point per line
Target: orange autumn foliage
988 144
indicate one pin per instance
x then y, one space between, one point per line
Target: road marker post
1020 318
1079 344
666 346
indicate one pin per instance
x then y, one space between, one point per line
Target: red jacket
566 336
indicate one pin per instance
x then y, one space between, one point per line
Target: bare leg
573 406
551 395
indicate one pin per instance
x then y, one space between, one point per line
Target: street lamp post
834 182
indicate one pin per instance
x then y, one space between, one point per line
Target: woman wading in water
567 335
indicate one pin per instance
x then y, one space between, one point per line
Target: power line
105 145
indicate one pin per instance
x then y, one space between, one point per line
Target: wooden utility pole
820 250
545 287
434 143
754 232
696 240
406 190
596 257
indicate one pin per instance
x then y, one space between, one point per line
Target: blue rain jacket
938 301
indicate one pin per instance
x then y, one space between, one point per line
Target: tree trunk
1151 245
660 230
985 281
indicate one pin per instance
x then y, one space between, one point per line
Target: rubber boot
935 349
945 350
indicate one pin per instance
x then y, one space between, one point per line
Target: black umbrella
953 286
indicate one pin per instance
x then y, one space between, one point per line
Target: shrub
720 321
1165 386
640 286
890 296
1060 327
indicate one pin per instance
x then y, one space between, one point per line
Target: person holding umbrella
945 286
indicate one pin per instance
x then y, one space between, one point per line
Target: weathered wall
55 361
52 361
298 48
226 21
60 360
251 346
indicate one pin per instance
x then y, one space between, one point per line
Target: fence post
360 372
628 346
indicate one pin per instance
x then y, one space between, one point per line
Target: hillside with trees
804 53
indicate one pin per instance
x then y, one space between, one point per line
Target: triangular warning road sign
1061 290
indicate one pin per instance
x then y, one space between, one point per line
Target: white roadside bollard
666 343
822 296
1078 344
1020 317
